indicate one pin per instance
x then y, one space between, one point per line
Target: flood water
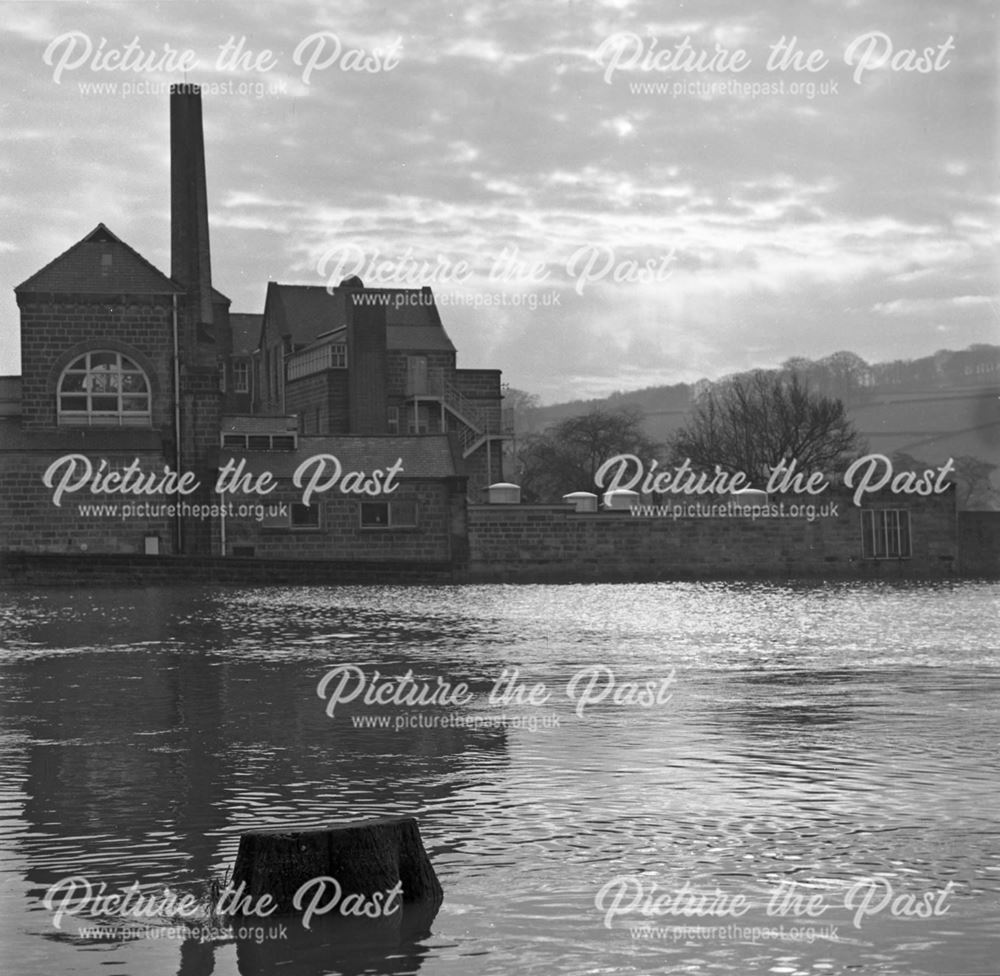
808 783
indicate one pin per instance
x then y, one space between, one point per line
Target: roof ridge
101 226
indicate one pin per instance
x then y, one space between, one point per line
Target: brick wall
367 370
979 544
201 418
341 536
478 383
437 360
57 329
30 521
303 396
326 391
529 542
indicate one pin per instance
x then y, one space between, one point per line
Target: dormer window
104 388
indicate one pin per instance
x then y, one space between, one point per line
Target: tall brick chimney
190 259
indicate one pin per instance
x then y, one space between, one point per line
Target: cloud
858 216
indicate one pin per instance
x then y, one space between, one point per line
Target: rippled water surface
825 743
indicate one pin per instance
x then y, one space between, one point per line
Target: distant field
931 425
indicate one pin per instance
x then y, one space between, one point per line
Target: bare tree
565 457
752 422
972 477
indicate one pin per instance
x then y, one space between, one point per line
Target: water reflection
818 734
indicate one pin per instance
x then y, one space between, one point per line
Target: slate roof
306 311
427 456
101 263
246 332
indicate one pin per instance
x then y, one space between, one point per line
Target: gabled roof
304 312
102 263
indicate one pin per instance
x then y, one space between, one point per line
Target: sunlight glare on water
805 736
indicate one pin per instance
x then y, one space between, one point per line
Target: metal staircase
475 425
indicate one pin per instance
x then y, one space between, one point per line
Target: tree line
747 422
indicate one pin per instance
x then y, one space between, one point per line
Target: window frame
313 525
259 442
391 522
283 524
91 416
886 533
241 376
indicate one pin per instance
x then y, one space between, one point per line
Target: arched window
104 389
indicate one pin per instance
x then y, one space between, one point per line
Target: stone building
121 365
360 361
132 378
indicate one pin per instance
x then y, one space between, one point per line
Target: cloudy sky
629 191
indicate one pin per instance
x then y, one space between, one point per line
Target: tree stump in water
364 858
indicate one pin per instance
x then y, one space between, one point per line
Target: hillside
933 408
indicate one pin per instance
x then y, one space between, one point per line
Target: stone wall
367 370
55 330
439 362
30 521
538 542
340 534
36 569
321 402
979 544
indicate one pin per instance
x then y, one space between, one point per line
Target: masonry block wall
57 329
320 401
534 542
340 535
979 544
366 372
29 521
439 362
482 388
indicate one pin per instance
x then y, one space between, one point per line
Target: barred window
103 388
885 533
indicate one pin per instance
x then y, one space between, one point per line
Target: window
315 360
374 515
304 516
398 514
241 376
417 422
260 442
393 420
103 388
294 516
416 375
885 533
